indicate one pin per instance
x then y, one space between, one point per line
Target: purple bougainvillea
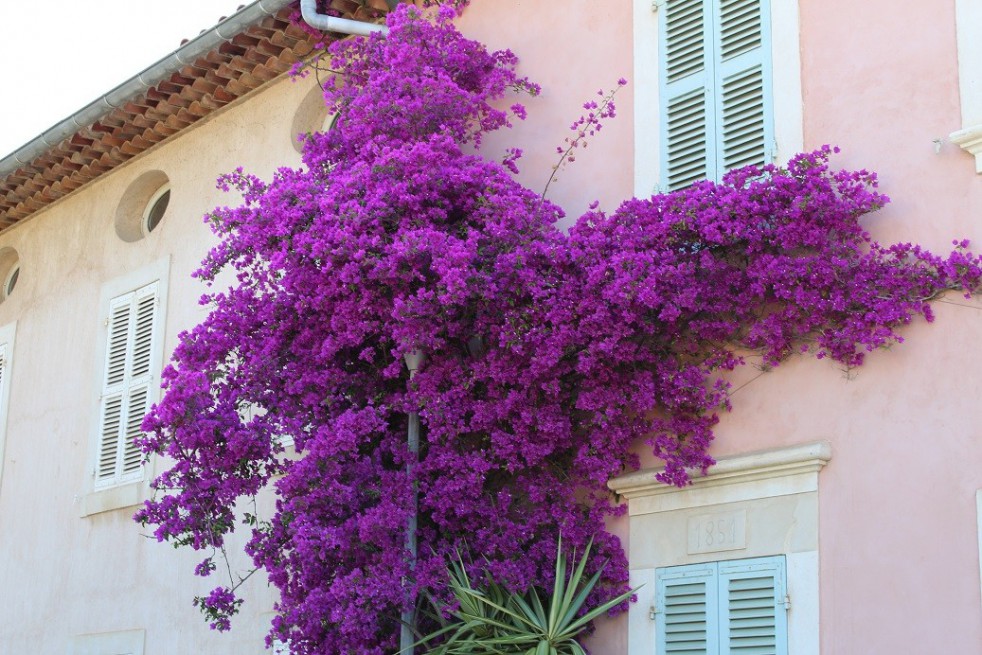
548 353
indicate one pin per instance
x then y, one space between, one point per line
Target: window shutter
742 77
715 88
752 607
687 611
111 411
110 422
136 409
126 390
686 93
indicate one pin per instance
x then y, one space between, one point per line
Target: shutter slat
754 622
119 324
136 409
143 334
687 622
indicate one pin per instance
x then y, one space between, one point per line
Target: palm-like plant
492 620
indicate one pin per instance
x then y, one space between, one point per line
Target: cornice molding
759 474
970 140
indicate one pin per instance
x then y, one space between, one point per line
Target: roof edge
140 82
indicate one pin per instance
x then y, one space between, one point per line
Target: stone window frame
744 482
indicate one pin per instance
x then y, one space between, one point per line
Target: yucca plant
492 620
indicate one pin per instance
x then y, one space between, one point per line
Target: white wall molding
968 17
760 474
970 140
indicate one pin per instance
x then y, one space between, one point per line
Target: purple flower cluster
547 354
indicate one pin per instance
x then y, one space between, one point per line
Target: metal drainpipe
408 618
308 9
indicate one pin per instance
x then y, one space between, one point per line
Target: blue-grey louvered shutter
753 617
741 44
686 94
687 617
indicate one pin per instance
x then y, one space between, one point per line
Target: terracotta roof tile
252 58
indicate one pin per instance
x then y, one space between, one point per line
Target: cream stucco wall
62 574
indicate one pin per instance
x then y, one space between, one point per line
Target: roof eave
139 83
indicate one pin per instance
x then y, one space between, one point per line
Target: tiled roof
255 55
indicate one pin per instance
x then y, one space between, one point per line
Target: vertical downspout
408 618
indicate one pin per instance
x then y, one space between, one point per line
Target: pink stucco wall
572 50
898 546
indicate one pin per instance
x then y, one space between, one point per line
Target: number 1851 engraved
709 533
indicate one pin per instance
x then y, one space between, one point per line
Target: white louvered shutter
744 106
686 95
126 385
753 618
687 611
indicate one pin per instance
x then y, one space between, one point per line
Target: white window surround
777 488
94 500
968 18
786 85
125 642
7 333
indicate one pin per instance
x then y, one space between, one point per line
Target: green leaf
491 620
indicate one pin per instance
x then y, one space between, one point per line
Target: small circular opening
154 212
311 116
142 206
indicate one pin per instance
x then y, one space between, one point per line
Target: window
126 387
723 608
11 282
749 512
718 98
714 57
9 271
142 206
